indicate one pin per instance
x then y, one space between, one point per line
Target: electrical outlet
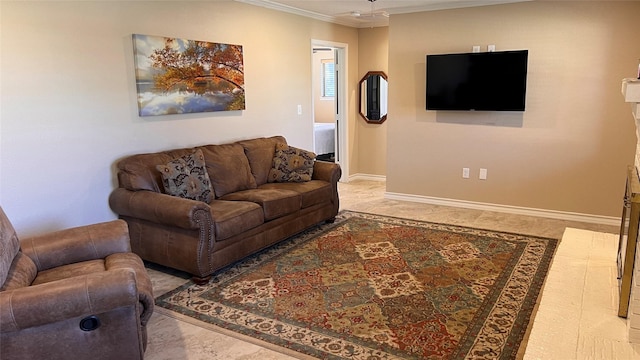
299 109
483 174
465 173
491 48
475 48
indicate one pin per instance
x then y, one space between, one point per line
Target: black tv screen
488 81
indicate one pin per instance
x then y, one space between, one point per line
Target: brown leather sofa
249 212
74 294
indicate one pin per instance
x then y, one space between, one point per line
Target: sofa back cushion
139 172
260 153
231 167
228 168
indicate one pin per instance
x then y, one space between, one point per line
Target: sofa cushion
260 153
312 192
291 164
21 274
274 202
187 177
234 217
228 168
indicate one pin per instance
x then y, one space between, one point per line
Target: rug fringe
233 334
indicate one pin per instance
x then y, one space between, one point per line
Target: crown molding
447 5
358 23
296 11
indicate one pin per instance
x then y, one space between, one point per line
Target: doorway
330 103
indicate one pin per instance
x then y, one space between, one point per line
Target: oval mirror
373 97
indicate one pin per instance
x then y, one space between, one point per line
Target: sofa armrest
330 172
80 296
158 208
82 243
327 171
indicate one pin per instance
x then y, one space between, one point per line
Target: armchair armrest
158 208
77 244
80 296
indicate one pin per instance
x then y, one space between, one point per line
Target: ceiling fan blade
375 14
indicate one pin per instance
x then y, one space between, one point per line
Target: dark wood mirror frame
373 97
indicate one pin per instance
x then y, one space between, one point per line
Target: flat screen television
488 81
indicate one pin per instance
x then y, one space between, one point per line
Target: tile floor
577 314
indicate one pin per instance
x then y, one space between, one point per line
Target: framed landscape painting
177 76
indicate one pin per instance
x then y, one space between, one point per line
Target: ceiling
364 13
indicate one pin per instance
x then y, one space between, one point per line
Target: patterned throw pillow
291 164
187 177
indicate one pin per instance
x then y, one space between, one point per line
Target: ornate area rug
375 287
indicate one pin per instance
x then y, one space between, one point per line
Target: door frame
342 107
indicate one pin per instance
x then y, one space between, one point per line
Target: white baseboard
553 214
368 177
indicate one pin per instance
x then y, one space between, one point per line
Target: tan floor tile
601 286
554 334
565 282
163 282
590 347
603 324
579 248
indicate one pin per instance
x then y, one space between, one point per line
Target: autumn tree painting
175 76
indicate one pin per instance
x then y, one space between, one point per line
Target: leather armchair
76 293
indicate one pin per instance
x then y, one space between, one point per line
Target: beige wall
371 139
68 98
567 152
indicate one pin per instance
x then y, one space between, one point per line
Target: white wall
68 97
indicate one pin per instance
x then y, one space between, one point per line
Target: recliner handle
90 323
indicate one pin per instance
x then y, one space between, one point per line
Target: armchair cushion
22 273
69 271
9 246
